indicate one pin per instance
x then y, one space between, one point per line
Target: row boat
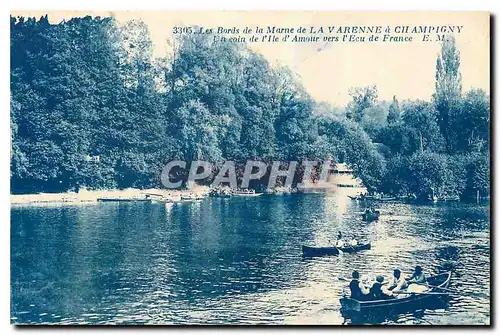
324 251
372 198
246 193
191 197
122 200
408 302
371 216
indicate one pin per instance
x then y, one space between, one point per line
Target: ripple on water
235 261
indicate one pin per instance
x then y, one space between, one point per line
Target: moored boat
191 197
407 302
386 199
220 193
164 201
308 251
372 198
122 200
246 193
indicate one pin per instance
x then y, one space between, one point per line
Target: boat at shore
192 197
122 200
220 193
246 193
372 198
406 302
308 251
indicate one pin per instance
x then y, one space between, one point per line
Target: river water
235 261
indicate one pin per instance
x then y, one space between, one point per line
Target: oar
424 293
341 253
444 289
343 278
450 291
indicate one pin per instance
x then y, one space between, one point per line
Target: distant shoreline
90 196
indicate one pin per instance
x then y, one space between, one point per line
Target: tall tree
394 111
448 86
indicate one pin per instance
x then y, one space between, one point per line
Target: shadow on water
237 260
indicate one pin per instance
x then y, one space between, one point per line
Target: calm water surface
234 260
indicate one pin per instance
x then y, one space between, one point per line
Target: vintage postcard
250 168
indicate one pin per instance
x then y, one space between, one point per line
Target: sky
404 69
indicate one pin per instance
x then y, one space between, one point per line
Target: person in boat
340 242
358 290
398 282
378 291
370 211
418 276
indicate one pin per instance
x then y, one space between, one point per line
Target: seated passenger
378 292
358 290
340 243
417 277
398 282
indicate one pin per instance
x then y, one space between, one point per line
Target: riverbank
89 196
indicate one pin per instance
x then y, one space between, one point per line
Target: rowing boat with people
308 251
370 215
403 302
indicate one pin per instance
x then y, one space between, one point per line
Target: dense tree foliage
92 107
445 144
350 144
361 99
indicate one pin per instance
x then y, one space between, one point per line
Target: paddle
342 278
341 253
443 288
424 293
450 291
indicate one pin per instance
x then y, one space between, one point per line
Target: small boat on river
308 251
370 215
404 303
